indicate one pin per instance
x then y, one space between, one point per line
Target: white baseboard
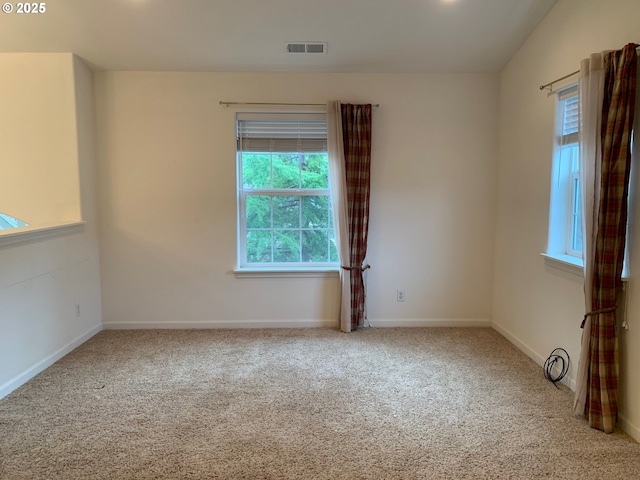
45 363
532 354
629 428
429 322
221 324
376 323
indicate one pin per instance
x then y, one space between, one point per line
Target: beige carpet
301 404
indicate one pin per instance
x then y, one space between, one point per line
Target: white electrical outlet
77 309
400 295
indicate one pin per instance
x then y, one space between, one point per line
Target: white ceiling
250 35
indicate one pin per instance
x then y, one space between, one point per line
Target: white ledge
570 264
33 234
566 263
286 272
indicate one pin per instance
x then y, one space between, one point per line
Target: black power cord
550 364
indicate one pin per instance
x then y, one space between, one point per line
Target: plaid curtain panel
611 222
356 131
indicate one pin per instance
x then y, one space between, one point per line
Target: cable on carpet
550 364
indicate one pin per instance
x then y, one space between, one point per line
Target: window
565 218
284 205
9 222
570 154
565 226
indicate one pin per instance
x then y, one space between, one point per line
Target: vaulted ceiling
250 35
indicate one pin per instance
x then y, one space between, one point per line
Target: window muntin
284 215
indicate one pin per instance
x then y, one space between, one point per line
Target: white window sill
32 234
286 272
570 264
566 263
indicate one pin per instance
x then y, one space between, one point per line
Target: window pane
315 246
286 212
333 248
286 246
258 211
256 170
315 211
576 230
315 170
577 233
286 170
575 157
258 246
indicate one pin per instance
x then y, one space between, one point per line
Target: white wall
168 205
537 306
39 170
42 281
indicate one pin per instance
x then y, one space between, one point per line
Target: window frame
255 269
560 252
562 208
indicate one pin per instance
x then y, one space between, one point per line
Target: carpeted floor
301 404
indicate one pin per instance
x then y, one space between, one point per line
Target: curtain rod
542 87
283 104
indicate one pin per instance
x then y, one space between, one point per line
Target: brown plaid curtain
610 222
356 134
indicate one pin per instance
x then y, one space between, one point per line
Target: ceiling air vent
306 47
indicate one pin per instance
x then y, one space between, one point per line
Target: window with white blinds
570 107
282 133
284 205
565 216
570 152
565 224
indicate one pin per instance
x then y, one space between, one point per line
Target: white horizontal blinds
570 115
571 120
282 133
